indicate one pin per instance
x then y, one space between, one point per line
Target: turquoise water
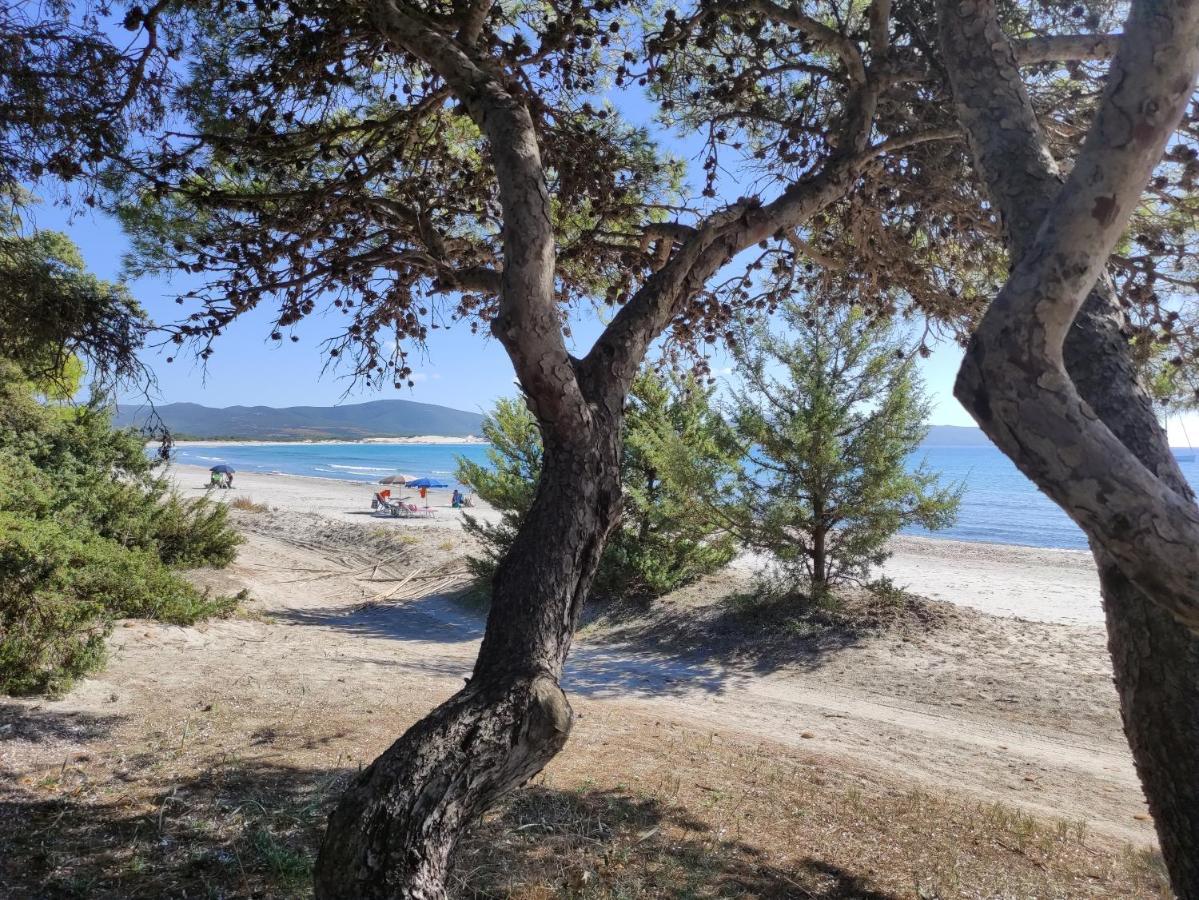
999 505
347 462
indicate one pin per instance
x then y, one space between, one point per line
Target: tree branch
527 322
845 48
1028 52
1014 378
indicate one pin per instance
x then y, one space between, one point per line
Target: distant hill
378 418
956 436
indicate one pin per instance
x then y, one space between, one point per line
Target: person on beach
229 479
456 499
424 494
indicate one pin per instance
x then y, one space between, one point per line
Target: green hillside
356 421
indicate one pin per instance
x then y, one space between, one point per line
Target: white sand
1034 583
1040 585
347 501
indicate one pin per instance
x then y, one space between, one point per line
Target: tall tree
389 155
830 411
413 162
1049 375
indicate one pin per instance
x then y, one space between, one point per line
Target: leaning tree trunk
393 833
1154 658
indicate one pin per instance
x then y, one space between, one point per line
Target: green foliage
53 313
677 453
830 413
676 448
89 532
508 484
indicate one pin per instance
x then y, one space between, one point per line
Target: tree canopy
410 164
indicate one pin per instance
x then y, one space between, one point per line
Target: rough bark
1156 661
819 567
394 831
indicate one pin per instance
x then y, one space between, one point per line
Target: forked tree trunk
394 831
1154 658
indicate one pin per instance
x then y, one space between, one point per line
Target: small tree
508 484
830 415
676 449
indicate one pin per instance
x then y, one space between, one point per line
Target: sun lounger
383 505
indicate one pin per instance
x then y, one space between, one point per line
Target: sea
999 505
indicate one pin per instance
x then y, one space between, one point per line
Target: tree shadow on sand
645 650
41 723
249 829
749 634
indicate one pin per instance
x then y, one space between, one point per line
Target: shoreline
432 440
1040 584
962 544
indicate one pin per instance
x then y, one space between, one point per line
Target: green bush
61 587
677 452
89 533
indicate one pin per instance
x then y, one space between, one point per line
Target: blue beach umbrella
223 468
427 483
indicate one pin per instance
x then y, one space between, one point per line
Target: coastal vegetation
90 532
829 410
677 451
1006 173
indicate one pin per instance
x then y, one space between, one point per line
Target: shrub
676 451
88 534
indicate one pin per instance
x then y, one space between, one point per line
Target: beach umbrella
223 468
395 479
427 483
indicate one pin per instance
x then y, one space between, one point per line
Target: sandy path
996 709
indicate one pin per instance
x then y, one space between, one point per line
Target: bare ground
961 755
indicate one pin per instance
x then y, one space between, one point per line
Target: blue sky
459 369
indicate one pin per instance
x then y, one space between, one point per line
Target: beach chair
383 505
414 510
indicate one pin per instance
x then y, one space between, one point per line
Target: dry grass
672 814
245 504
631 810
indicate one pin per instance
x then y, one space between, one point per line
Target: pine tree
830 412
677 452
507 484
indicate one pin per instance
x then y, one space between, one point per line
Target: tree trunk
394 831
819 557
1155 660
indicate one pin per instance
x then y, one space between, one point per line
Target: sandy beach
1040 585
978 744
